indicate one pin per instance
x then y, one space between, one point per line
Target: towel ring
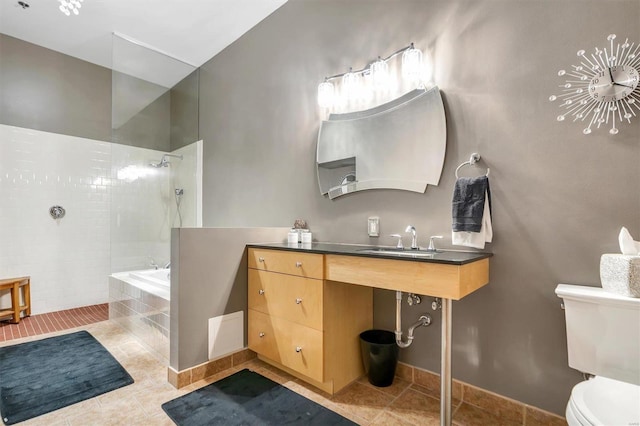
475 157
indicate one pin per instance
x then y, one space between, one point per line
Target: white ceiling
192 31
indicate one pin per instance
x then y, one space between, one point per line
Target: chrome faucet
399 246
153 263
168 265
414 237
432 244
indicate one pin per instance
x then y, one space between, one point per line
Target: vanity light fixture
603 87
325 93
379 71
352 84
412 63
414 68
70 6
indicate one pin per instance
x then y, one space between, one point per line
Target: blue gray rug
247 398
45 375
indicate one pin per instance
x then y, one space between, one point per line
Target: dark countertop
452 257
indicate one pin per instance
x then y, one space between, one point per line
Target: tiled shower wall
68 258
141 205
186 174
108 213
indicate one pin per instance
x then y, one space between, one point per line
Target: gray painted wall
150 127
208 279
44 90
184 111
168 119
559 197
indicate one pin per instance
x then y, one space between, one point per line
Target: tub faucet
168 265
153 263
414 237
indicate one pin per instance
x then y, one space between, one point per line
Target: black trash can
379 355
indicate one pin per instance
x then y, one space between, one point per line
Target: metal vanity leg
445 365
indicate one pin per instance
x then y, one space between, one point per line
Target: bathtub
140 302
154 281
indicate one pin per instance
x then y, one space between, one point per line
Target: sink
399 252
456 257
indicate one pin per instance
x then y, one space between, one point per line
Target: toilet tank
603 332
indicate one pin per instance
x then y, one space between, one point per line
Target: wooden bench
14 285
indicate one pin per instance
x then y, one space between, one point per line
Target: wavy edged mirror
397 145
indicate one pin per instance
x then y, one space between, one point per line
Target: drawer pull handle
298 301
260 292
298 349
261 259
261 335
298 264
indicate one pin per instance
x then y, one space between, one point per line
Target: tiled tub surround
113 222
141 312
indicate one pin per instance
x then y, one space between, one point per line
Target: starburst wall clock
602 89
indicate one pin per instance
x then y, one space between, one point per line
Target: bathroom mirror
397 145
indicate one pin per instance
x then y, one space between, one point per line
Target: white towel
476 239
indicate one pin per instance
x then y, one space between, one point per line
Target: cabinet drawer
292 345
308 265
286 296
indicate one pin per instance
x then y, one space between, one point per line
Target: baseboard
502 406
505 407
180 379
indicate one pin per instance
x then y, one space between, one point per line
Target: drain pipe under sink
423 321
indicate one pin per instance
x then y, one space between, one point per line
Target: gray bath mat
247 398
45 375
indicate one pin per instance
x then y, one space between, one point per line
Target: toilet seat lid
607 402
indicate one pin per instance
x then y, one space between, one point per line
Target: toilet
603 339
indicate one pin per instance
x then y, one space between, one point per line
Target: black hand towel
468 203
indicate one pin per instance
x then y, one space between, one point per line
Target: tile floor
403 403
53 321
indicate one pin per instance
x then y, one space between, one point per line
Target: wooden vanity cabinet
302 323
317 340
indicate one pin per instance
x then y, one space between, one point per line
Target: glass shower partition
156 155
156 176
